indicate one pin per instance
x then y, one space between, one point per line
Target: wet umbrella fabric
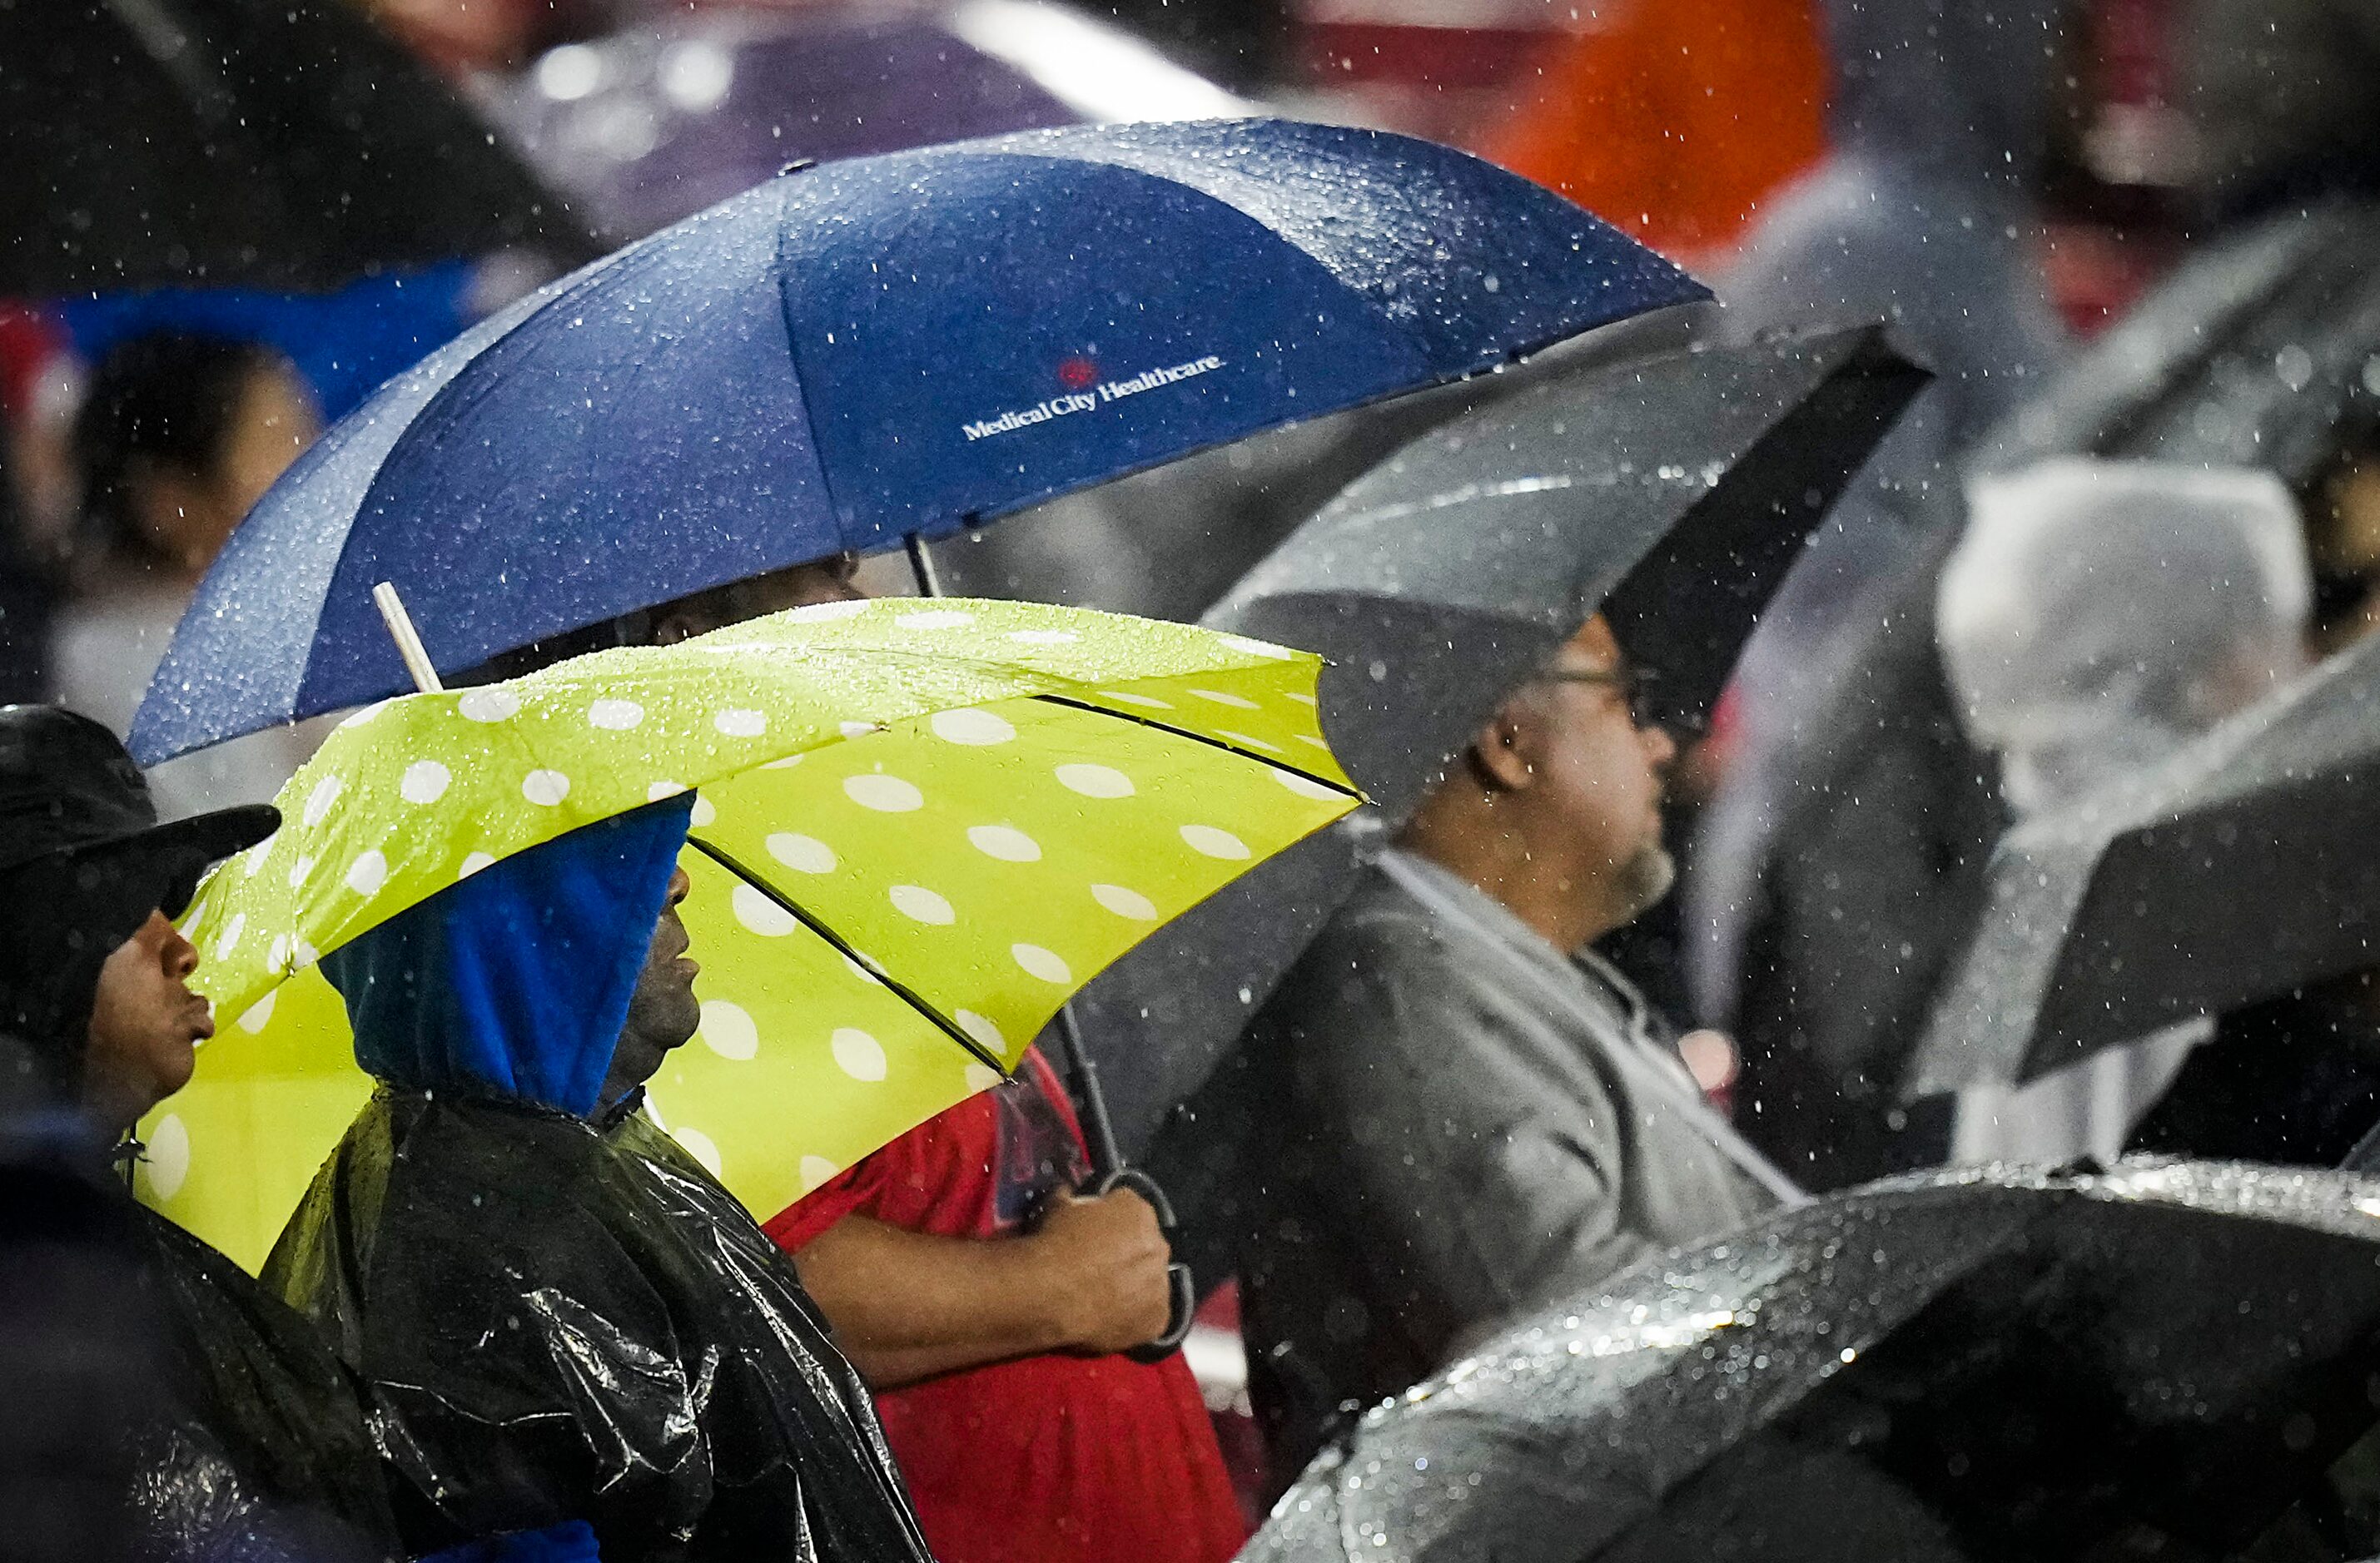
917 831
2237 870
273 143
863 352
1961 1366
1670 491
1667 494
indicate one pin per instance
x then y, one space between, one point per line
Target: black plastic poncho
258 1446
570 1320
566 1320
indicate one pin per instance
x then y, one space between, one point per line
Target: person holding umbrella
251 1439
996 1310
974 1334
1449 1107
1474 1111
986 1304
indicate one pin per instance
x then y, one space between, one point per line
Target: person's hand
1105 1262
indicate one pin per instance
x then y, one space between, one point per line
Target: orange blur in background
1676 121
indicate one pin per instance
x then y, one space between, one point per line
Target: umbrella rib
1339 787
949 1028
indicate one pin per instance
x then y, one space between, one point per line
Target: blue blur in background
344 344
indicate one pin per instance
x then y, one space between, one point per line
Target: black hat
83 864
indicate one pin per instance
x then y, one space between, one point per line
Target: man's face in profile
662 1011
1599 768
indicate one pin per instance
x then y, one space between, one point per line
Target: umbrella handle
1184 1290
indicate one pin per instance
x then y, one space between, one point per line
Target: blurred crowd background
2137 219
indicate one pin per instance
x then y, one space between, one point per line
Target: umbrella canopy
2245 357
654 123
1669 492
869 351
2238 868
276 143
2168 1360
919 830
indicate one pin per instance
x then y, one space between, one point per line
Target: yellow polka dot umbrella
920 829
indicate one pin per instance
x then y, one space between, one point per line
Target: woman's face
145 1025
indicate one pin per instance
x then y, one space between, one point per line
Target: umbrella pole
408 638
1110 1173
921 565
1099 1128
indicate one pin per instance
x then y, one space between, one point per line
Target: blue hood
515 982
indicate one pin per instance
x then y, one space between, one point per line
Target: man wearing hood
988 1306
255 1443
585 1345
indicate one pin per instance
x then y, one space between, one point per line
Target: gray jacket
1464 1124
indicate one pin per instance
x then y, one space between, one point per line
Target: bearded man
1472 1113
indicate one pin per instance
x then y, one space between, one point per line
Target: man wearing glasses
1477 1114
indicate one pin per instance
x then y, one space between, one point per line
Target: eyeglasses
1636 687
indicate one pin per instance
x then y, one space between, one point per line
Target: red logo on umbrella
1077 372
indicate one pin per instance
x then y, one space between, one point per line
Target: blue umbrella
866 352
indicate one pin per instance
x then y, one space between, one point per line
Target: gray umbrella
2244 358
2238 868
1670 491
2167 1360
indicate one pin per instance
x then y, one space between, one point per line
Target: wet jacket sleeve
1484 1151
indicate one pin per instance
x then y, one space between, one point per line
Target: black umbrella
1669 491
273 143
2240 868
2169 1361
